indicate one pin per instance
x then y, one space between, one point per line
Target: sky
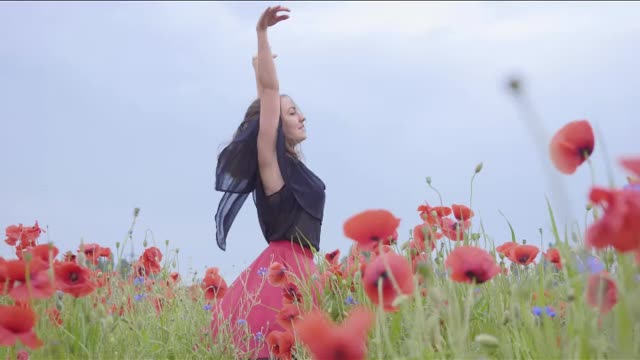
111 106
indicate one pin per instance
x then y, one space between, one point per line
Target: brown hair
253 114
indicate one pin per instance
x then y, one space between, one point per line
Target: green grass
446 320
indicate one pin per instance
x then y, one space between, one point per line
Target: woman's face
292 121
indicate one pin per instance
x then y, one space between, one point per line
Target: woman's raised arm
269 87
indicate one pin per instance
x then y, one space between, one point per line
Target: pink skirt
249 307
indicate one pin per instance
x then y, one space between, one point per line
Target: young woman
262 159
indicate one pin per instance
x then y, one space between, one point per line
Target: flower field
445 292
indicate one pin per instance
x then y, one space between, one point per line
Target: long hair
253 114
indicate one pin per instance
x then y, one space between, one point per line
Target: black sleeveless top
292 213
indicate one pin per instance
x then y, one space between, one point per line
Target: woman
262 159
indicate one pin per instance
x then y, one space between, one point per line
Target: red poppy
632 164
13 234
41 287
571 146
54 316
619 226
277 274
454 230
150 260
382 269
69 257
45 252
506 247
602 292
553 256
27 236
16 323
432 215
371 227
213 284
73 279
90 252
16 270
328 341
291 294
423 234
333 257
470 264
280 344
523 254
174 278
461 212
288 315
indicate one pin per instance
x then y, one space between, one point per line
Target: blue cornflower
262 271
242 322
207 307
536 311
139 297
138 281
258 336
550 311
350 300
592 264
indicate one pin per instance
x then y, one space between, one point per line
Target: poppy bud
136 212
429 180
117 244
515 86
145 243
478 168
571 294
487 340
166 243
59 305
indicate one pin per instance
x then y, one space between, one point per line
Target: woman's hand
270 17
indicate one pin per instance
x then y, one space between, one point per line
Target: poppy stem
437 192
471 191
471 201
539 137
592 171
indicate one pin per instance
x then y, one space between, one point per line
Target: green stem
437 192
592 172
471 192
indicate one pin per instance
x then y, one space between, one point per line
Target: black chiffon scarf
237 177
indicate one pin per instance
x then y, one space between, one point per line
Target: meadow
446 291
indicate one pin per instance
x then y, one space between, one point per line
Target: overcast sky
109 106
